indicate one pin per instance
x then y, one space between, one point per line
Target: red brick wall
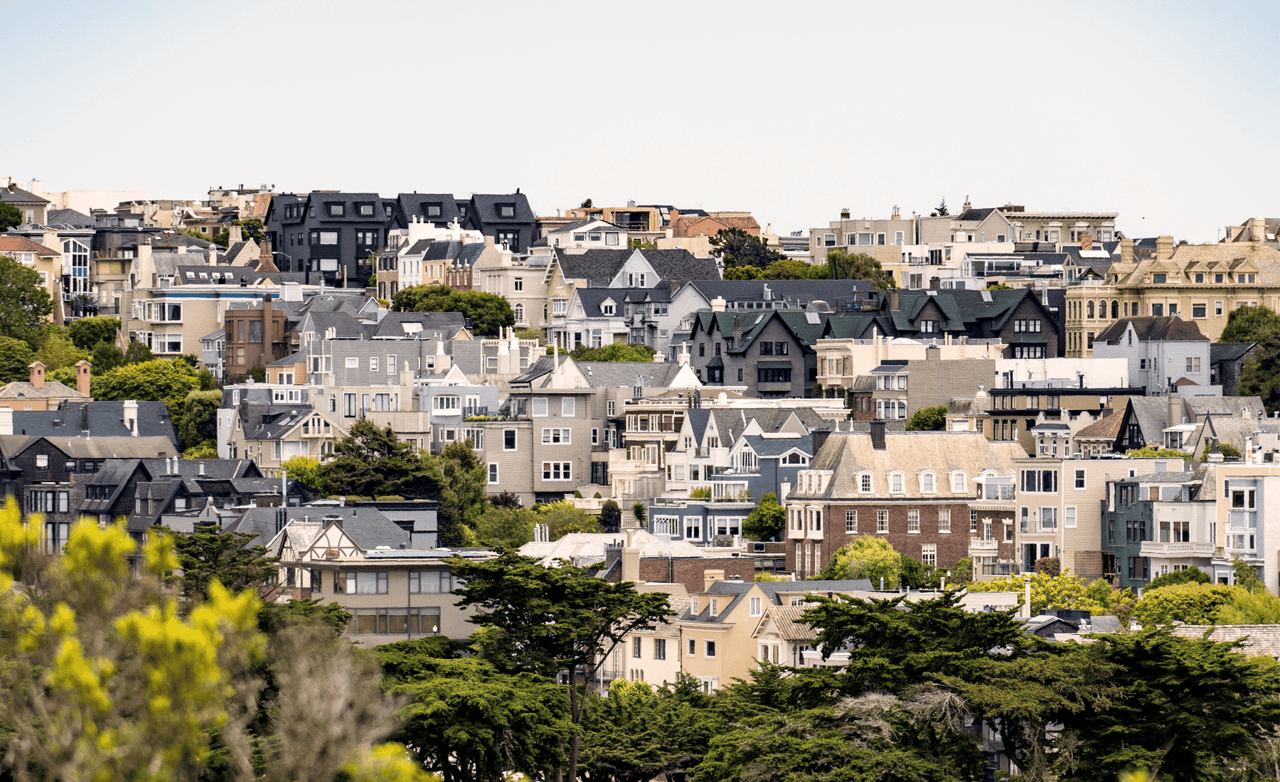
951 547
690 572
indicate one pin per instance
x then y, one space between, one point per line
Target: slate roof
681 265
599 267
106 419
434 324
1153 329
800 291
92 447
70 218
411 205
788 621
486 208
588 548
16 195
622 374
271 421
1107 427
367 527
731 422
1229 351
962 310
592 298
1255 639
1152 416
772 447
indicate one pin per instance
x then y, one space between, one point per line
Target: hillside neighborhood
1028 425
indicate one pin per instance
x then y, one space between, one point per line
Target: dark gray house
330 235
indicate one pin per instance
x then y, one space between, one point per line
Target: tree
306 471
223 557
488 313
198 419
106 357
1191 575
610 516
1063 591
942 210
1258 324
1250 608
640 513
928 419
158 380
1246 576
16 357
1189 603
962 573
138 353
251 228
504 527
459 481
787 269
999 286
586 204
10 217
58 352
1150 452
87 333
615 351
24 302
743 273
371 462
105 678
736 247
844 265
866 557
204 450
563 518
767 520
547 620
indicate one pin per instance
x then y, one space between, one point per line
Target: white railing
1156 549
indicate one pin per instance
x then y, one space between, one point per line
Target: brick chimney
709 577
1126 251
1164 248
83 377
37 374
1086 242
1257 229
266 261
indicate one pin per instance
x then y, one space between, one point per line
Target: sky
1163 112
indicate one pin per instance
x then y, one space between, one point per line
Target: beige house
1200 282
46 262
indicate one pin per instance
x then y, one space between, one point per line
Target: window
864 483
366 583
882 521
710 648
1199 310
507 211
556 436
1193 364
540 407
1043 481
829 240
693 645
958 483
944 520
508 439
1159 278
42 460
851 521
353 362
1157 311
766 348
610 407
926 483
493 472
1048 519
1079 479
567 407
349 405
557 471
896 483
780 348
754 607
1069 518
929 554
773 375
636 646
427 582
373 363
659 648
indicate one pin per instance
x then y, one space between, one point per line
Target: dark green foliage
406 661
488 313
1246 576
251 228
24 302
15 358
138 353
1049 565
1261 376
224 556
87 333
505 499
767 520
106 357
274 617
259 374
640 513
10 216
198 420
371 461
1192 575
914 574
159 380
942 210
616 351
842 265
459 481
610 516
736 247
928 419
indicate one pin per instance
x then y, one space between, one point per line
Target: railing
978 544
1156 549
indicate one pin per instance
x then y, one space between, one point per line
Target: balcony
980 546
1156 549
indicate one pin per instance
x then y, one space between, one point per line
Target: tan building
46 262
40 394
1200 282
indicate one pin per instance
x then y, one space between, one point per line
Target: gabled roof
1230 351
485 208
16 195
69 218
681 265
623 374
52 389
1153 329
799 292
367 527
772 591
21 244
597 267
1107 428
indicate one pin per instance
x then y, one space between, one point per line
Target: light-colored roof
587 548
52 389
1258 639
787 621
21 244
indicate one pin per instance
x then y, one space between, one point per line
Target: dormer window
607 308
897 483
507 211
435 210
366 210
1159 279
336 210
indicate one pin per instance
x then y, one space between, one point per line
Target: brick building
917 490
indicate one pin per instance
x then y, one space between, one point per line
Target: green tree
1261 376
507 527
274 617
87 333
736 247
999 286
928 419
1149 452
224 557
1063 591
24 302
1250 608
459 482
614 351
1246 576
16 356
942 210
962 573
1258 324
1191 575
138 353
106 357
306 471
844 265
10 217
767 520
158 380
1190 603
489 313
251 228
641 514
610 516
787 269
547 620
371 461
866 557
743 273
563 518
198 419
58 352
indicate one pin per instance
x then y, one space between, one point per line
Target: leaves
24 302
489 313
768 519
928 419
157 380
737 248
215 557
615 351
867 557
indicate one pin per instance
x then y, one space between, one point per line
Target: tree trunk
576 719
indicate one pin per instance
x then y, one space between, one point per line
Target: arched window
1115 309
519 313
1090 309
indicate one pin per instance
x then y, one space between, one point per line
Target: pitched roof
799 292
105 419
623 374
1230 351
588 548
367 527
1153 329
1255 639
1107 427
21 244
52 389
16 195
681 265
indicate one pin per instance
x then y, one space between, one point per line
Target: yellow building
1200 282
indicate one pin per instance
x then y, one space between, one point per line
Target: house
507 218
87 418
1155 524
601 316
47 263
329 236
37 393
900 388
1160 351
1019 318
913 489
768 354
1226 362
1176 422
31 205
589 234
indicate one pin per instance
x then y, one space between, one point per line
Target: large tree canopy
24 302
488 313
157 380
735 247
614 351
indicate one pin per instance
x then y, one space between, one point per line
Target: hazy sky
1162 111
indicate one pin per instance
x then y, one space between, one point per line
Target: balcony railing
1157 549
979 544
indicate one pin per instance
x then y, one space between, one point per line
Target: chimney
877 435
844 214
268 355
893 299
1086 242
1175 408
1164 248
6 420
709 577
234 234
631 559
266 259
737 331
1126 251
83 377
717 304
131 417
37 373
1257 229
